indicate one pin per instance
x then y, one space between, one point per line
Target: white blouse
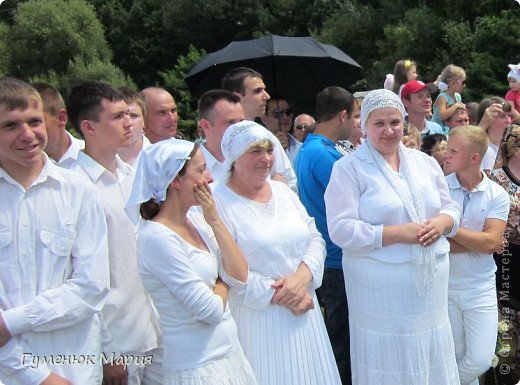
180 277
360 202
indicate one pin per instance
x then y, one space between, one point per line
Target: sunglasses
278 114
301 126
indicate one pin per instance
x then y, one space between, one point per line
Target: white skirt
398 336
232 370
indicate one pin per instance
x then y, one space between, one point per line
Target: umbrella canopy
296 68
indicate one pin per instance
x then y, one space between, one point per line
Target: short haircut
429 141
486 102
331 101
85 100
16 94
51 98
209 98
132 97
234 80
476 136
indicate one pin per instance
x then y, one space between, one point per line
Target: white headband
379 99
158 166
241 136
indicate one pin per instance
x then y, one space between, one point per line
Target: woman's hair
429 141
452 72
510 145
486 102
400 73
151 208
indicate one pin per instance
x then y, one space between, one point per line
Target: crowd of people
357 244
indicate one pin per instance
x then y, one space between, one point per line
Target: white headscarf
379 99
158 166
406 189
240 137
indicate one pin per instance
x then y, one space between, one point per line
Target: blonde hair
475 135
452 72
16 94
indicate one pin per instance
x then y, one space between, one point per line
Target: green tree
80 70
46 35
174 81
4 50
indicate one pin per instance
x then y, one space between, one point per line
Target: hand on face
206 202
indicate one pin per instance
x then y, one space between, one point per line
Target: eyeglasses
278 114
301 126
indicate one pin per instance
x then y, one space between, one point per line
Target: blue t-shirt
313 167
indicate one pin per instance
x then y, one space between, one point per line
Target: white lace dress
276 237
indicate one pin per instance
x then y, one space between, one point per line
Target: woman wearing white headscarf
279 322
186 261
389 209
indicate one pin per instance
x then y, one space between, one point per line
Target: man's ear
63 118
86 128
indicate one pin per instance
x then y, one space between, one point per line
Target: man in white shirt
62 147
472 301
53 247
161 117
98 111
249 86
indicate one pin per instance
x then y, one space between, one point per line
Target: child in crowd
452 81
404 71
513 95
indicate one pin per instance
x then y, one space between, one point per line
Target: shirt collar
453 182
94 170
49 170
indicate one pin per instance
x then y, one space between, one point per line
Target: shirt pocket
6 237
56 252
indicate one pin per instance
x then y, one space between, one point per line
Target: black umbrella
296 68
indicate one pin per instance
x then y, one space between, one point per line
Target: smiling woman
278 318
389 209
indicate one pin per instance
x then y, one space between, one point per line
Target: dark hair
132 97
85 100
151 208
486 102
209 98
401 73
51 98
15 94
429 141
234 80
331 101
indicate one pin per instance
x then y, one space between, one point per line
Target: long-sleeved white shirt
128 310
53 276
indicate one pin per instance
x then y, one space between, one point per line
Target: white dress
283 349
200 340
398 336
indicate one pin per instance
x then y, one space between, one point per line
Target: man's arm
485 241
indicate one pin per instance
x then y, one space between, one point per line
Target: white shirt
127 314
282 165
360 202
488 161
196 326
76 145
54 274
292 150
472 271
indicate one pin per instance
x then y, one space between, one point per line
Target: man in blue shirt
335 121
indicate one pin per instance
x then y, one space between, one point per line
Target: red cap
414 86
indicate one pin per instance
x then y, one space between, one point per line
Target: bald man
161 118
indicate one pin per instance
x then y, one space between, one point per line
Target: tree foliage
46 35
